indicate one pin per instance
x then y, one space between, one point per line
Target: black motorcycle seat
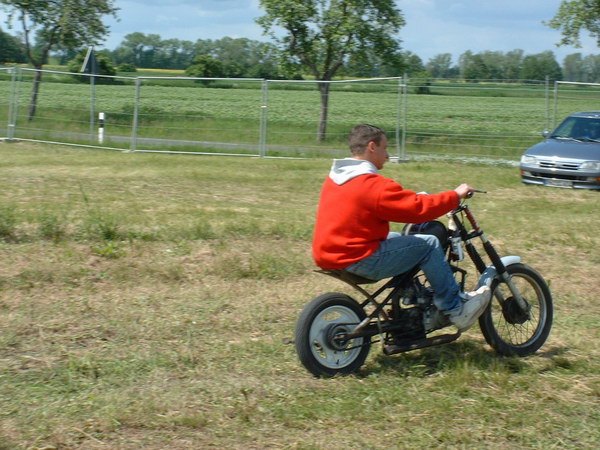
348 277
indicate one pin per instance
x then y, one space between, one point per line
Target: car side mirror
545 133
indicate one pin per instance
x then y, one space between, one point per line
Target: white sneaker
473 306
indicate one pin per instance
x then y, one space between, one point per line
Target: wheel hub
513 313
336 336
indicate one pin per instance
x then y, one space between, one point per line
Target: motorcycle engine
433 319
418 294
421 296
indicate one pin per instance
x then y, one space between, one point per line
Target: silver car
569 157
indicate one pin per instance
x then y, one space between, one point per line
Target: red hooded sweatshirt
356 207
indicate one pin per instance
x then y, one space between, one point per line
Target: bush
205 66
126 67
424 84
105 67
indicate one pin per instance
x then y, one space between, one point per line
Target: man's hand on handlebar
466 191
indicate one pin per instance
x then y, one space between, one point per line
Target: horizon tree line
243 57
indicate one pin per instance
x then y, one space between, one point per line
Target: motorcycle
334 332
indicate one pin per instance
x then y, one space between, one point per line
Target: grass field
147 301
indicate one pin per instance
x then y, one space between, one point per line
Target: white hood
343 170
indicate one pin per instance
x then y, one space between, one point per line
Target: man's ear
371 146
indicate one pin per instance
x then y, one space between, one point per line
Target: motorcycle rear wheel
320 322
505 327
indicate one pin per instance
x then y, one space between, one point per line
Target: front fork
499 267
502 274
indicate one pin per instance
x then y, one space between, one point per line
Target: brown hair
361 135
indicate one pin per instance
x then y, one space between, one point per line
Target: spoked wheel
508 329
318 332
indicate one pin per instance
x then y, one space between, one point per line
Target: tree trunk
322 133
34 95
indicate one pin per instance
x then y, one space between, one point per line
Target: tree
67 23
265 62
240 57
494 62
439 66
62 56
463 62
175 54
151 51
370 64
412 65
138 49
492 65
205 66
475 68
513 62
591 68
11 49
537 67
574 16
322 35
244 57
572 67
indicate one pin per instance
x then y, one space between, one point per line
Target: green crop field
148 301
456 118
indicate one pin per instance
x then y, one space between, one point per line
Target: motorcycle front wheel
508 329
318 329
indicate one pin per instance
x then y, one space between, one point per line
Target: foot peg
409 345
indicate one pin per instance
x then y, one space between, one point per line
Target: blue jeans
399 254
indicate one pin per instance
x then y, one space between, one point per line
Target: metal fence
251 117
571 96
276 118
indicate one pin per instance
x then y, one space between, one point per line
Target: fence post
547 88
136 113
264 111
101 127
403 96
92 105
398 117
555 103
13 104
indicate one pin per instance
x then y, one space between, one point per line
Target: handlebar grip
479 191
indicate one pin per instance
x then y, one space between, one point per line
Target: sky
432 26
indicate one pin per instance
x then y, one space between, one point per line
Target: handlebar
472 192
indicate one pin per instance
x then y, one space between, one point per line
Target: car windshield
578 128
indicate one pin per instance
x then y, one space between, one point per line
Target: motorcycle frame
378 321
